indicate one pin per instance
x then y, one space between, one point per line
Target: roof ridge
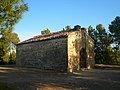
46 36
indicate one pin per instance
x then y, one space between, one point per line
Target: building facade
65 51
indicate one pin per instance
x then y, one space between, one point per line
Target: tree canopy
11 12
45 31
114 28
101 41
68 27
105 53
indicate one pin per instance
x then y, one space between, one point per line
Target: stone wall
74 45
76 41
90 52
47 54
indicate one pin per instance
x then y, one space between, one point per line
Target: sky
56 14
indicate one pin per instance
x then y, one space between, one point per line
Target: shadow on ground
100 78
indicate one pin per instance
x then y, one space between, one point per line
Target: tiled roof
47 36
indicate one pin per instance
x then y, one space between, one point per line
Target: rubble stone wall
76 41
47 54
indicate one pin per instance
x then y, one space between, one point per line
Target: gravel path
100 78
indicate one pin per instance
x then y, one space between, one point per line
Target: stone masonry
63 51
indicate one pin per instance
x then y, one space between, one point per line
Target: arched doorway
83 58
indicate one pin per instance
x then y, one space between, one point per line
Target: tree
101 42
91 32
114 29
12 57
45 31
100 28
68 27
8 43
10 13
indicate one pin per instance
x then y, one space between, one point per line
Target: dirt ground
103 77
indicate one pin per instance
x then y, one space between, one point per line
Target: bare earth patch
104 77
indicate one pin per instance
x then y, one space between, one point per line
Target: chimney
83 29
77 28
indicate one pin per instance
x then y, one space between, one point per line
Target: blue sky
56 14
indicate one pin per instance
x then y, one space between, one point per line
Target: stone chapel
64 51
